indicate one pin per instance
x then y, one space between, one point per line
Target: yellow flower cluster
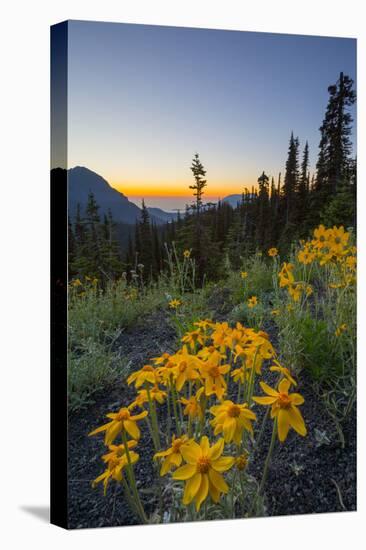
287 280
331 246
75 283
328 247
195 381
252 302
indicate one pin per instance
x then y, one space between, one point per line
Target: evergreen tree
302 194
144 243
200 183
291 180
335 144
263 236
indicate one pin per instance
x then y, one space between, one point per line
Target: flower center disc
147 368
176 446
203 464
182 366
234 411
284 401
214 372
123 415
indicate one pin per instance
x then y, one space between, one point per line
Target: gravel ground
307 475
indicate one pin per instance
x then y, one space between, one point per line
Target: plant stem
132 480
265 469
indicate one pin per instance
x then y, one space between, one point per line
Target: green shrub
257 282
313 345
89 370
97 315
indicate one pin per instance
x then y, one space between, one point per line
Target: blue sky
144 99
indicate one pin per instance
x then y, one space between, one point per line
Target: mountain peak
83 181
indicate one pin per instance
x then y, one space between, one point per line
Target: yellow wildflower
351 262
285 275
240 374
336 285
244 274
339 330
174 304
193 407
305 256
338 239
231 419
156 394
116 461
194 336
187 253
308 290
213 375
242 461
121 421
284 408
185 368
116 451
203 471
295 292
272 252
321 237
147 374
275 312
172 456
252 302
284 371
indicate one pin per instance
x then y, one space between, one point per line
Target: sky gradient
143 99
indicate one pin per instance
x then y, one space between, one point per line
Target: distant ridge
83 181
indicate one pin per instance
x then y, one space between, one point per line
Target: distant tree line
276 213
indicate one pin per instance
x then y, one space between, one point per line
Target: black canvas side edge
59 232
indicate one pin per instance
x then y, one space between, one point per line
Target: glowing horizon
178 189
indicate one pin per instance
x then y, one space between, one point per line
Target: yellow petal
222 464
284 385
264 400
297 399
134 457
132 429
202 492
163 453
297 421
165 467
214 493
139 416
268 390
229 429
218 481
112 432
217 449
224 369
185 472
191 488
101 428
205 445
191 453
100 478
283 424
176 459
